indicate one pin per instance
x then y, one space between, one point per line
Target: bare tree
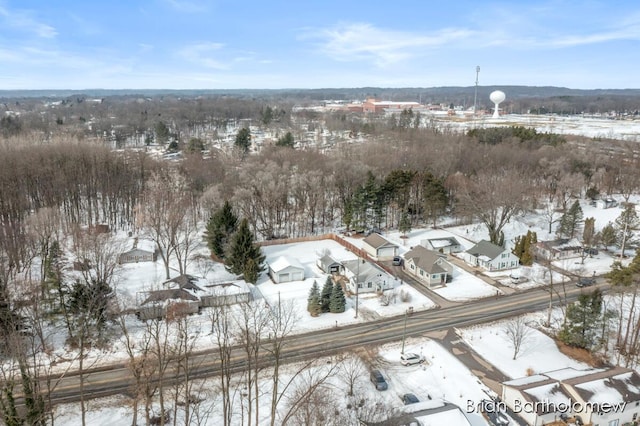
351 371
222 329
518 333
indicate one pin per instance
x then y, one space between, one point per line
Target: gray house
428 266
491 257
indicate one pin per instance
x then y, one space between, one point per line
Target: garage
379 248
286 269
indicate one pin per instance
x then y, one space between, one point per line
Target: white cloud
23 20
362 41
203 54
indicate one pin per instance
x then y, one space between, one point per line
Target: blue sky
225 44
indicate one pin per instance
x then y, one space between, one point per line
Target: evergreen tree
608 235
338 302
582 321
243 140
435 197
162 133
243 249
286 140
625 224
325 296
571 221
404 226
220 228
523 247
313 301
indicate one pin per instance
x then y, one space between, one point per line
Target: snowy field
538 354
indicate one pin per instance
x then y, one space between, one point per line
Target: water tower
496 97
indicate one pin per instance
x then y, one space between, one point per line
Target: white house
285 269
491 257
366 277
141 251
379 248
558 249
428 266
529 397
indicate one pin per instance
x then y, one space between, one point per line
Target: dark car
585 282
397 261
378 380
409 398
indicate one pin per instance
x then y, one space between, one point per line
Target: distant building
141 251
374 106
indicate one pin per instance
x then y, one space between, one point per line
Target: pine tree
220 228
286 140
582 321
338 302
241 250
313 301
608 235
325 296
405 224
571 221
243 140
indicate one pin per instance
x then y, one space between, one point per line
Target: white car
411 359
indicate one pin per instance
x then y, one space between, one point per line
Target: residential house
365 277
379 248
141 251
491 257
428 266
285 269
179 294
446 245
596 396
329 265
558 249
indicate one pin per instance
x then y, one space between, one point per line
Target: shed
285 269
141 251
329 265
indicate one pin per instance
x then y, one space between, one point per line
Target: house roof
376 241
365 271
327 260
486 248
284 262
155 296
612 386
184 282
425 259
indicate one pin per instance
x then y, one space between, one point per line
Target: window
502 265
359 285
369 284
421 272
434 276
413 267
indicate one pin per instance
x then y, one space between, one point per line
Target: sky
275 44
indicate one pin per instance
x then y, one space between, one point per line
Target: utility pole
357 285
404 331
475 96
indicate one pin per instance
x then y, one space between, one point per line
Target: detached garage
379 248
285 269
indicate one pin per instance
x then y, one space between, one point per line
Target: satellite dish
497 97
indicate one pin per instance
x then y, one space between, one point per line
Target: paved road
117 379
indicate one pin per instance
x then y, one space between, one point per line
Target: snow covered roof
376 241
437 243
284 262
611 386
365 271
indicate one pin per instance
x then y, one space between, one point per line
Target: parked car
378 380
411 359
397 261
591 251
409 398
585 282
